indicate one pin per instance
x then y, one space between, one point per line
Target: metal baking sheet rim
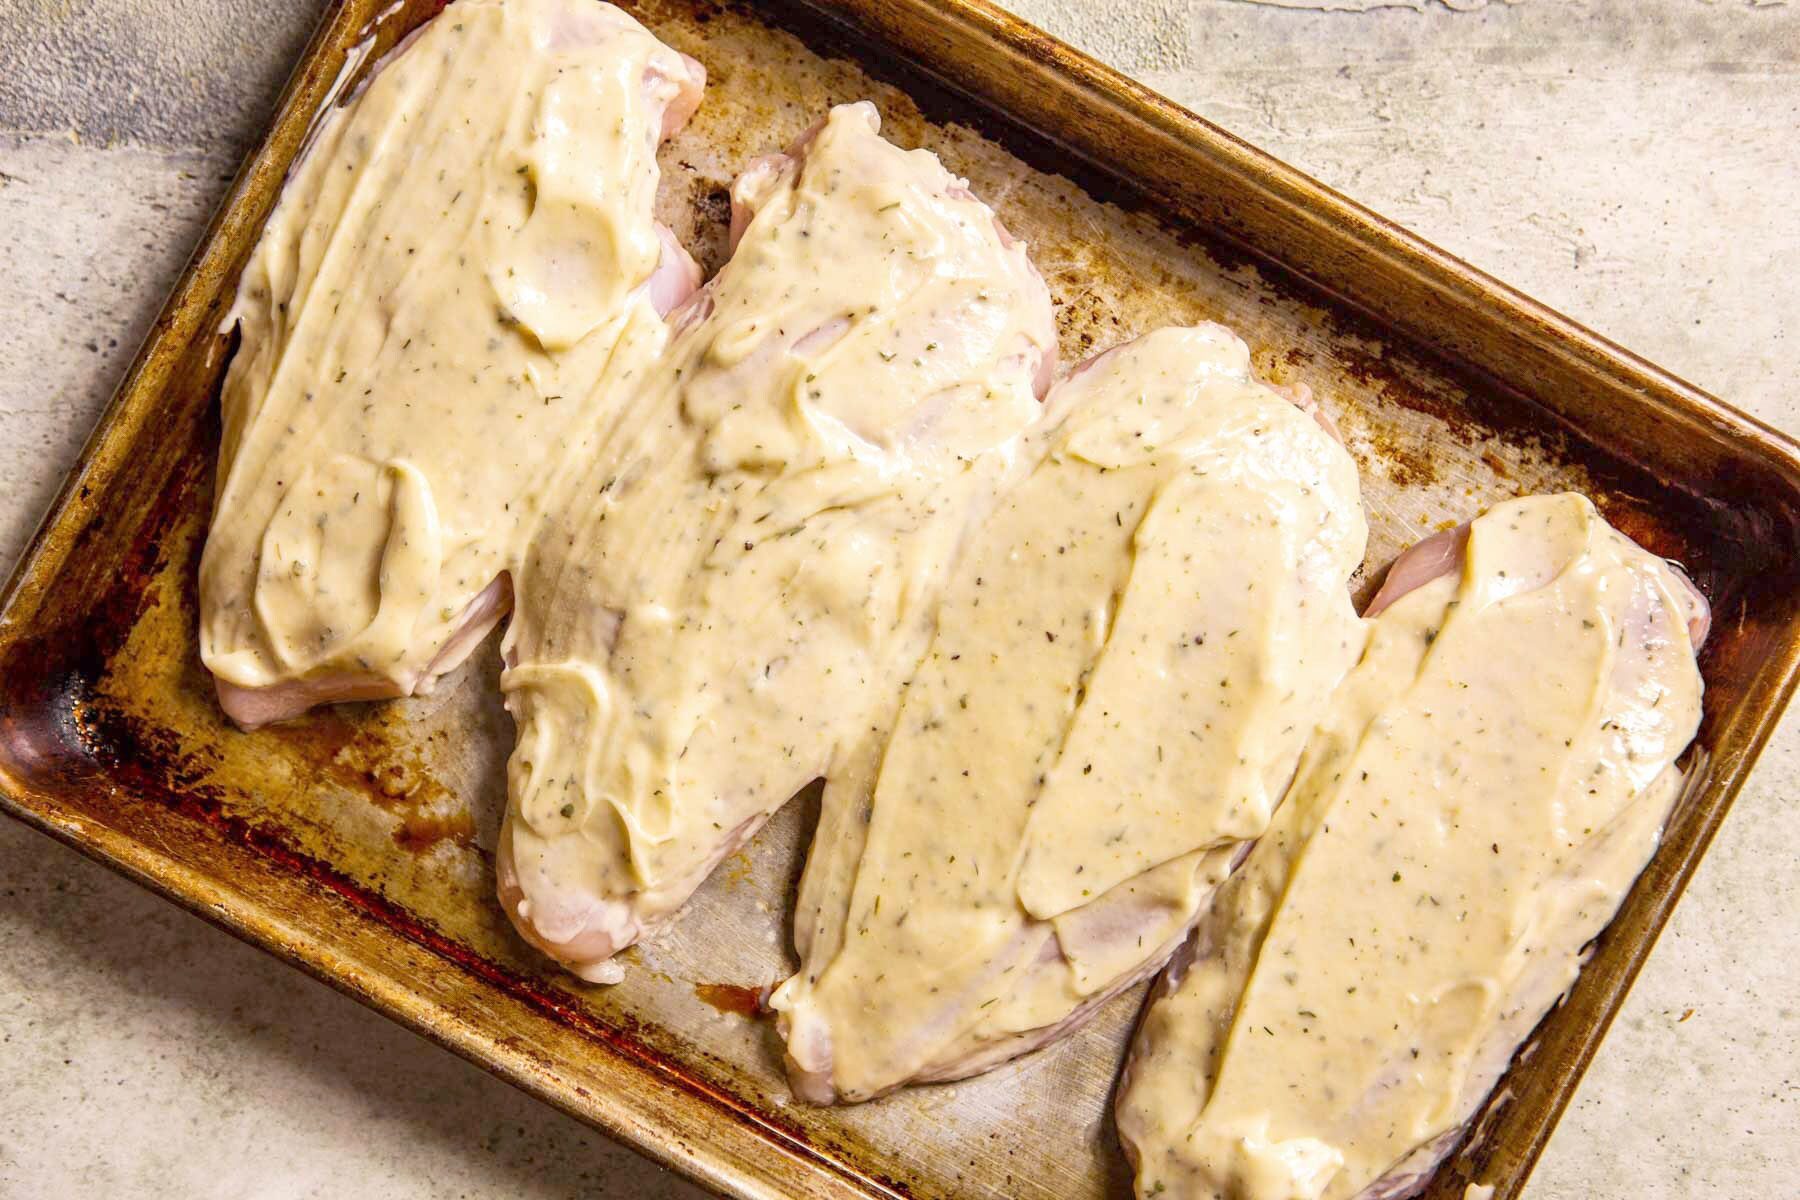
679 1122
236 913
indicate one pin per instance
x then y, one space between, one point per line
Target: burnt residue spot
51 662
44 743
1372 369
715 205
1635 519
122 745
420 830
1406 463
712 226
734 998
356 754
1085 318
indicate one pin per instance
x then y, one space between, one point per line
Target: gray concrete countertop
1631 162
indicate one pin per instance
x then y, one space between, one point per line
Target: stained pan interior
358 841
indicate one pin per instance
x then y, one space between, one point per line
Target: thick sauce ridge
1478 797
1121 679
747 562
451 268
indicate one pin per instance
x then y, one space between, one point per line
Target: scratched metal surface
403 800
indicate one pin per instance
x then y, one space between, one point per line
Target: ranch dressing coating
1478 798
1125 668
450 269
747 565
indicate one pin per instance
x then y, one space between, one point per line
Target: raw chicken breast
1478 798
745 569
1124 670
462 254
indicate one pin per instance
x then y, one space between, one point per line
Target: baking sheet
358 841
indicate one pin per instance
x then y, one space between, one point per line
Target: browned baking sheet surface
357 842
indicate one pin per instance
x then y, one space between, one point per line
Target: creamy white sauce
1478 797
1124 670
745 565
449 272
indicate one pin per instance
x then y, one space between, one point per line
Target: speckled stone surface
1632 162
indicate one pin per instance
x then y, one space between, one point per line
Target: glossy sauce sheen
1477 799
450 270
1124 670
745 566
